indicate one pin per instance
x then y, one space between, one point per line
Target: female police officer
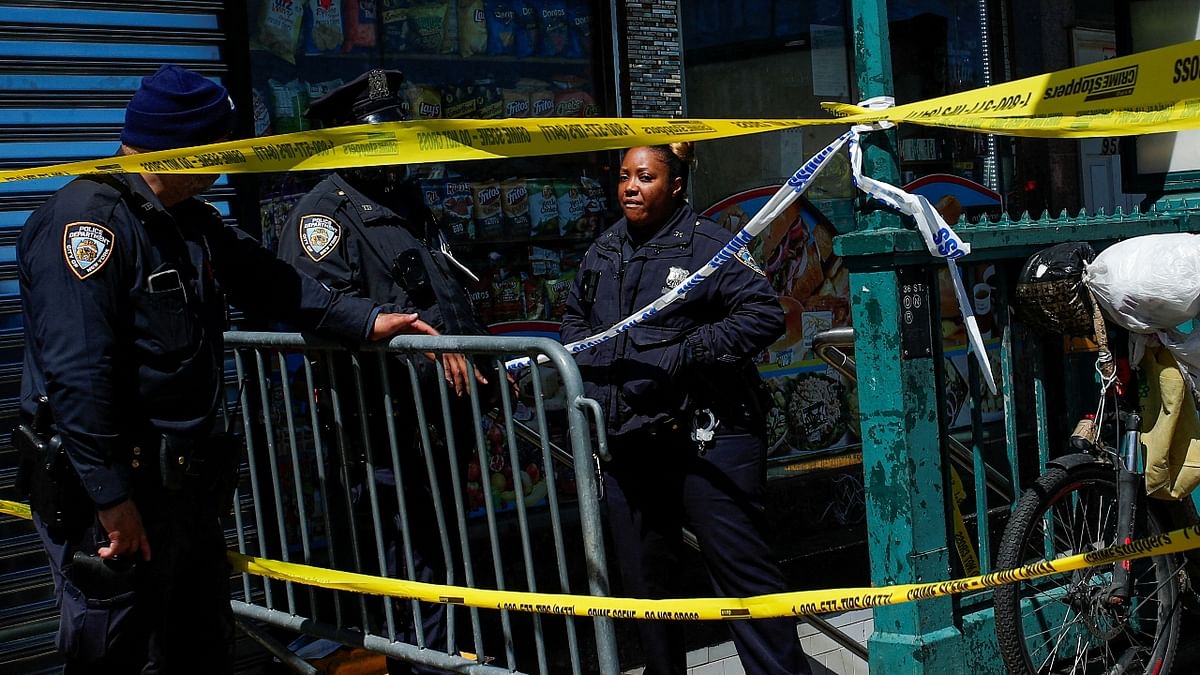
669 384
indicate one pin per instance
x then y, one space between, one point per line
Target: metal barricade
366 461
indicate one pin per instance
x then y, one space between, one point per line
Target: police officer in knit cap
123 279
367 232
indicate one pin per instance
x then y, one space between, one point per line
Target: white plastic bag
1151 285
1148 284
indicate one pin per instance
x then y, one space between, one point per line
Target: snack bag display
427 26
574 103
450 36
555 31
262 115
316 90
288 100
543 208
516 102
490 100
480 295
535 299
544 262
424 102
433 193
501 27
541 103
279 28
572 205
557 290
514 204
458 209
595 209
508 303
360 17
527 26
579 16
459 103
564 81
324 32
472 28
489 219
393 16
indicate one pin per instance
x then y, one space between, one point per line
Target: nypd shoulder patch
743 256
319 235
87 247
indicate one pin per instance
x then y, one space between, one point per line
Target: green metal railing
911 506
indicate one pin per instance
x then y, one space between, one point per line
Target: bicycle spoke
1064 623
1079 652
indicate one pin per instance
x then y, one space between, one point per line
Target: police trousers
428 559
428 562
658 484
168 615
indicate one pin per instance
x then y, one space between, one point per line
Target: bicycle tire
1084 634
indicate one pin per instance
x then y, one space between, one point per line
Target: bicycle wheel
1064 623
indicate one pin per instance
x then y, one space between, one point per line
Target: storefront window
520 225
781 59
763 59
937 49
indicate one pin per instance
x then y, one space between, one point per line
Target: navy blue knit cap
177 108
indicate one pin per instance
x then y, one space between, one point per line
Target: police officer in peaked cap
123 279
366 232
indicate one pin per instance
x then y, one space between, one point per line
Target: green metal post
902 463
873 73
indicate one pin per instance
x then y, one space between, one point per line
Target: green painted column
902 465
873 74
902 470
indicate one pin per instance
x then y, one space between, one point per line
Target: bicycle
1117 618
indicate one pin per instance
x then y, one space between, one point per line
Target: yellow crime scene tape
1149 92
798 603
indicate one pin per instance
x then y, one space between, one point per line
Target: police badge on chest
675 276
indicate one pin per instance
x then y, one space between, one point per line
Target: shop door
66 72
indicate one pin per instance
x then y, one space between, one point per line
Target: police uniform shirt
694 354
124 318
361 247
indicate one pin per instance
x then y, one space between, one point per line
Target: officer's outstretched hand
126 537
458 369
389 325
457 372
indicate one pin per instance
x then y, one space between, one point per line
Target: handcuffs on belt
704 424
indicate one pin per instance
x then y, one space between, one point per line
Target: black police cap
373 97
